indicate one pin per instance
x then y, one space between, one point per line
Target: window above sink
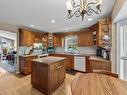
71 43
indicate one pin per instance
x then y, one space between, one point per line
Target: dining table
98 84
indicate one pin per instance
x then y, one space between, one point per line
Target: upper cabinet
24 37
57 40
28 38
85 39
103 27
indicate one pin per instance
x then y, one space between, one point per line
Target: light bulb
69 5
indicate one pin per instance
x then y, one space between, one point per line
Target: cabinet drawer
53 67
57 66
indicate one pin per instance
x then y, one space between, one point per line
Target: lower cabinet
35 72
47 78
99 65
25 64
43 77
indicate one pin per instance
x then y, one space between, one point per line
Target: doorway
8 50
122 49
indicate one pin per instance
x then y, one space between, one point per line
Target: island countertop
73 54
48 60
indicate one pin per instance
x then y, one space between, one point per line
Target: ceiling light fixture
32 26
53 21
66 29
90 19
85 7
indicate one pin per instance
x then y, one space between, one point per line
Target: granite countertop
74 54
48 60
97 58
27 55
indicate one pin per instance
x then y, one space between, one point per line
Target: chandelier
85 7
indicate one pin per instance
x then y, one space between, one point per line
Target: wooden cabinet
57 73
97 63
61 74
24 37
53 78
28 38
57 40
85 39
35 72
47 78
69 62
25 64
31 39
43 77
103 27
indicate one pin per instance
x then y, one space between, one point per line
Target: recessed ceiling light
90 19
53 21
32 26
66 29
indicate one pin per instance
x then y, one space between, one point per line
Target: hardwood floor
12 85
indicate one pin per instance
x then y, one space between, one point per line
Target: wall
84 50
117 7
8 27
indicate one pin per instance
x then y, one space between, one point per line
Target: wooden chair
106 73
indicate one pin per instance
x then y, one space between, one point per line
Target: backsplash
85 50
88 50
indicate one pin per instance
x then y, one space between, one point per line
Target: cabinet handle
59 67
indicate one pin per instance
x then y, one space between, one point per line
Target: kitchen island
48 73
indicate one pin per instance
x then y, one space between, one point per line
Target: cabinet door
81 39
32 39
27 66
57 40
53 78
70 62
61 73
35 74
85 39
26 38
90 39
43 77
100 65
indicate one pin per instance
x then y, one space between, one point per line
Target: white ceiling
40 13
